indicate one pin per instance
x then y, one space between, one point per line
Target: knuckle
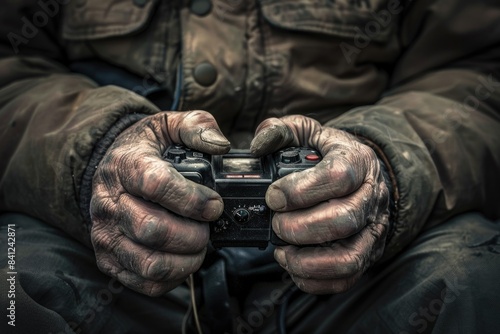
153 178
198 113
198 116
154 182
356 262
117 167
149 127
198 240
340 286
169 269
203 236
354 219
301 283
115 158
292 230
157 268
383 195
346 265
151 231
104 240
270 122
191 201
190 265
101 208
137 283
346 223
315 287
106 265
299 268
108 160
367 152
156 289
104 176
343 175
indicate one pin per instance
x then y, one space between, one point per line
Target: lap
57 278
445 281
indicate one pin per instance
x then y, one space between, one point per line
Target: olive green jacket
418 80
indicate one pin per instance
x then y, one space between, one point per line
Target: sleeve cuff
390 180
98 153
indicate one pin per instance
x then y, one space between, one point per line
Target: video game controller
242 181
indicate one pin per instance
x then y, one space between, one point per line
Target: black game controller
242 181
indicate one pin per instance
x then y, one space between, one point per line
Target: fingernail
213 210
214 136
275 198
262 141
279 255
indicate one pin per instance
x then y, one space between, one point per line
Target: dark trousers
446 281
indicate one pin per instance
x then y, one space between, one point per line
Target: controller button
201 7
176 154
290 157
241 215
312 157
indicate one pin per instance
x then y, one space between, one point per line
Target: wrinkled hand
343 198
145 215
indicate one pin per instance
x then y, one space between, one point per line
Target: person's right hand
146 228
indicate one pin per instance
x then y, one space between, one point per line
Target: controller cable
191 308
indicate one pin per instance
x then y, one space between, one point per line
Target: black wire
281 317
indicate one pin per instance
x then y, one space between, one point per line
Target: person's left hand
343 198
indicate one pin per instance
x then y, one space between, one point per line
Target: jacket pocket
339 18
95 19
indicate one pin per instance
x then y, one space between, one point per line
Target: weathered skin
422 95
344 198
148 228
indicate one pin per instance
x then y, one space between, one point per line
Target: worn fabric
59 288
446 282
417 79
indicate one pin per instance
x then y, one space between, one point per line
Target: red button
312 157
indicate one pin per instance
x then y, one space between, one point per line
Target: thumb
271 135
197 130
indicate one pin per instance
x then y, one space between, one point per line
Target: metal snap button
140 3
201 7
205 74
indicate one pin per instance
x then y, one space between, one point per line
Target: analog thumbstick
176 154
290 157
241 215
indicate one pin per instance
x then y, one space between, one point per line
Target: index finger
337 175
157 181
295 130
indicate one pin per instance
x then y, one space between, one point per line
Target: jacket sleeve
438 125
50 121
